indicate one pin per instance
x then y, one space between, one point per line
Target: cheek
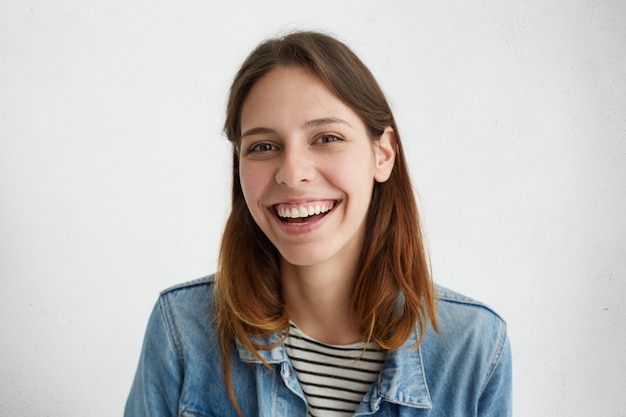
252 184
355 172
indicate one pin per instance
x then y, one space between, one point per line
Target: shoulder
468 325
447 294
194 285
471 348
185 314
189 295
188 305
458 308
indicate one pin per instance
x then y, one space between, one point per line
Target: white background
114 176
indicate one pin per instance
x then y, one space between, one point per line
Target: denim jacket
464 370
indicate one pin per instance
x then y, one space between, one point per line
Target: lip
303 209
308 224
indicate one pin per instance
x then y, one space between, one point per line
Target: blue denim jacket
464 370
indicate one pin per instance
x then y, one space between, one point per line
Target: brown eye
328 139
262 147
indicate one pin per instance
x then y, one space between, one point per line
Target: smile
303 212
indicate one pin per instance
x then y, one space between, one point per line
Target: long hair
393 291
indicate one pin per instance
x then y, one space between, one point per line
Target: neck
318 301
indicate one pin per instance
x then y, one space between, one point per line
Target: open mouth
304 212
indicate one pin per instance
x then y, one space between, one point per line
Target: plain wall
114 176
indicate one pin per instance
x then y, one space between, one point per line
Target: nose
296 168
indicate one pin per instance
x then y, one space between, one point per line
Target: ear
385 154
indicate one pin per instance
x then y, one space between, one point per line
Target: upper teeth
304 210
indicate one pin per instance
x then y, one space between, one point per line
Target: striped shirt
334 378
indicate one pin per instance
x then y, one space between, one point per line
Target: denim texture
464 370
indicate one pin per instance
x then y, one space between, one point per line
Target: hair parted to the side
394 291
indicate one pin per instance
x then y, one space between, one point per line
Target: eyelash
266 147
334 137
261 147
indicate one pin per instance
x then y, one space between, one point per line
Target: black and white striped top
334 378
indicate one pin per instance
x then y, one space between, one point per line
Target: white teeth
304 210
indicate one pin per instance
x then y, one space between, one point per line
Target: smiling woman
302 148
323 304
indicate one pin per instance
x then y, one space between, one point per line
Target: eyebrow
257 131
309 124
325 121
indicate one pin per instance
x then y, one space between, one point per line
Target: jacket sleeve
157 384
496 397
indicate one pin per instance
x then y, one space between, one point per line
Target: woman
323 303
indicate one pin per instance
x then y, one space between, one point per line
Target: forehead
291 95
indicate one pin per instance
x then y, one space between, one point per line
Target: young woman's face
307 167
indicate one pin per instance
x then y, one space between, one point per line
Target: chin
305 257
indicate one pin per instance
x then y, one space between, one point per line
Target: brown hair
394 290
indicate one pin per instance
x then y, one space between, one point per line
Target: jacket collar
402 379
277 354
